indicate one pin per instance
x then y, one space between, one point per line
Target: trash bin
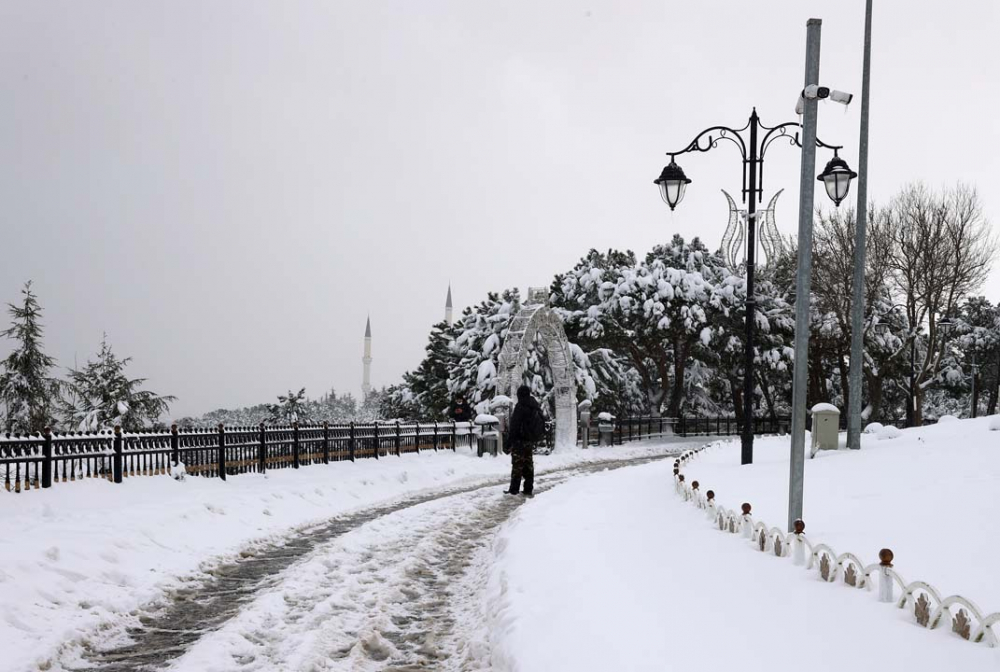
825 428
487 434
501 406
605 429
584 415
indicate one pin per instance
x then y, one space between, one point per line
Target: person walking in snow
527 427
460 410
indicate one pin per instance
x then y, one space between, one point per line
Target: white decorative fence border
925 601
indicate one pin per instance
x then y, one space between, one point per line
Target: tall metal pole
911 407
803 278
975 372
746 454
858 293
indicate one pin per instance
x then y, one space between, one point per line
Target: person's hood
528 401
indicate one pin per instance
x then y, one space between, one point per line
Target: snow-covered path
397 587
615 572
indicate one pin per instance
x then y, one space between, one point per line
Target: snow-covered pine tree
100 396
653 312
399 403
291 407
975 341
428 384
30 395
371 407
481 333
333 407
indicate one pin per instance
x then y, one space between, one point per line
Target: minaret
366 383
447 307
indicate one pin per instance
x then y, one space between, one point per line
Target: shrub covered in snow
178 471
889 432
995 423
874 428
947 418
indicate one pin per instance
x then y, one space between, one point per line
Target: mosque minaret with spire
366 383
447 308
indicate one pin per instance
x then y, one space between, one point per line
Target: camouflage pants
522 464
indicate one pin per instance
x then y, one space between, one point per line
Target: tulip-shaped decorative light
672 183
837 178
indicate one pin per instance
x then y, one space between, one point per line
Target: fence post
295 444
222 451
262 451
47 459
350 441
377 446
885 557
175 445
398 437
326 442
454 435
116 462
799 553
435 436
416 437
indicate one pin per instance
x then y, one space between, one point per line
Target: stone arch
535 318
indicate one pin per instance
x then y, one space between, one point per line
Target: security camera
814 91
817 92
841 97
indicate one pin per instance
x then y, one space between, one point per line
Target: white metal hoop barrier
922 599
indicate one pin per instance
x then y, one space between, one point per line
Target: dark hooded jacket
460 412
520 419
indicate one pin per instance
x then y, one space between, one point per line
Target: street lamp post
673 184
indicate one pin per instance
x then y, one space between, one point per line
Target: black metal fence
634 429
42 460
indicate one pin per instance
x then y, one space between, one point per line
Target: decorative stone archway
536 318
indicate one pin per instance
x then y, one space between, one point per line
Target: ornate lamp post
673 183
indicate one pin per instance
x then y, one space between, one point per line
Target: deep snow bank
614 572
81 554
932 495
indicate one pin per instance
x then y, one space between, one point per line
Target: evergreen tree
101 396
291 407
28 392
428 385
478 344
398 403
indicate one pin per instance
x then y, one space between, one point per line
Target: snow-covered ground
932 495
81 555
614 572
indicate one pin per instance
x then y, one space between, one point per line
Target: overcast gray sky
228 188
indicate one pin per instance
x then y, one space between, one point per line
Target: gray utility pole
858 293
804 277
